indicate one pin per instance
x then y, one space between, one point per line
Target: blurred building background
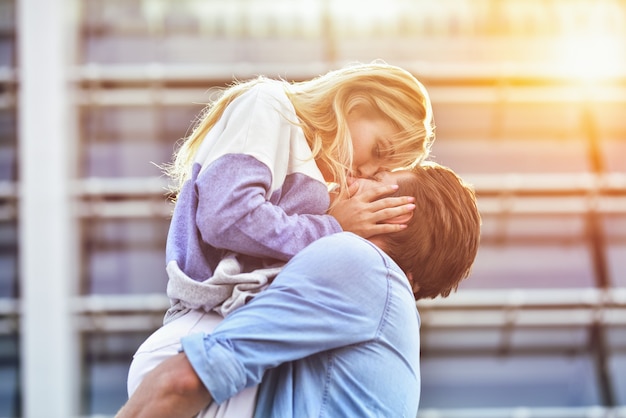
530 104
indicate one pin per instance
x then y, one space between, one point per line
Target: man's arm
331 295
171 390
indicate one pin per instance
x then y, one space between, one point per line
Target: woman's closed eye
384 149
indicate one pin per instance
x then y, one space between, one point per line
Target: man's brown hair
440 243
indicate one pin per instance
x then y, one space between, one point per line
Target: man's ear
414 285
400 219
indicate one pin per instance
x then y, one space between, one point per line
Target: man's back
356 325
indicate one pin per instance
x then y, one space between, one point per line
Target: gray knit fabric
228 288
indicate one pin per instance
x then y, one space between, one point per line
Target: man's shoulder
344 247
344 242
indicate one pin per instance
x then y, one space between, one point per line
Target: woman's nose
367 170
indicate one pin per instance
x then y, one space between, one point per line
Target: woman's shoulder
265 93
267 88
264 99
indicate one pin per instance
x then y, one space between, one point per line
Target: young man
337 332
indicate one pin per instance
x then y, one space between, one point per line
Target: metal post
46 224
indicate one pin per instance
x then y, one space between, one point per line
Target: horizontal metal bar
509 185
435 72
528 298
496 95
431 71
526 412
464 300
532 194
128 209
469 309
522 318
546 183
140 322
125 186
515 412
489 206
155 77
147 96
146 320
97 304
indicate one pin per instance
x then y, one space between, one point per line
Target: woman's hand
368 213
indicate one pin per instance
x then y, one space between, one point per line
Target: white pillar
47 262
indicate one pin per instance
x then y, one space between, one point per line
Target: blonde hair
441 241
322 105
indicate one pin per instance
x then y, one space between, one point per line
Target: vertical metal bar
598 248
46 227
329 35
598 349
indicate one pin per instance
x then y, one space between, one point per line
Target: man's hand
171 390
366 212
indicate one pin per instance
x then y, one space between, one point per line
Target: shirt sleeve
332 294
234 213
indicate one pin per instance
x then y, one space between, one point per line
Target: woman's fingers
369 193
367 214
398 213
383 206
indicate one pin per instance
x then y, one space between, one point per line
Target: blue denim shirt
335 335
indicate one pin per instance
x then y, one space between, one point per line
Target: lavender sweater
255 198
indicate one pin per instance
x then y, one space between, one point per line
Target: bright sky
592 56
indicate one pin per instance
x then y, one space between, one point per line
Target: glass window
508 381
534 121
617 264
613 151
511 156
115 49
616 335
125 256
614 229
132 141
201 32
457 331
8 259
8 144
106 361
529 266
548 339
7 33
506 228
9 376
457 120
617 371
435 340
610 122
